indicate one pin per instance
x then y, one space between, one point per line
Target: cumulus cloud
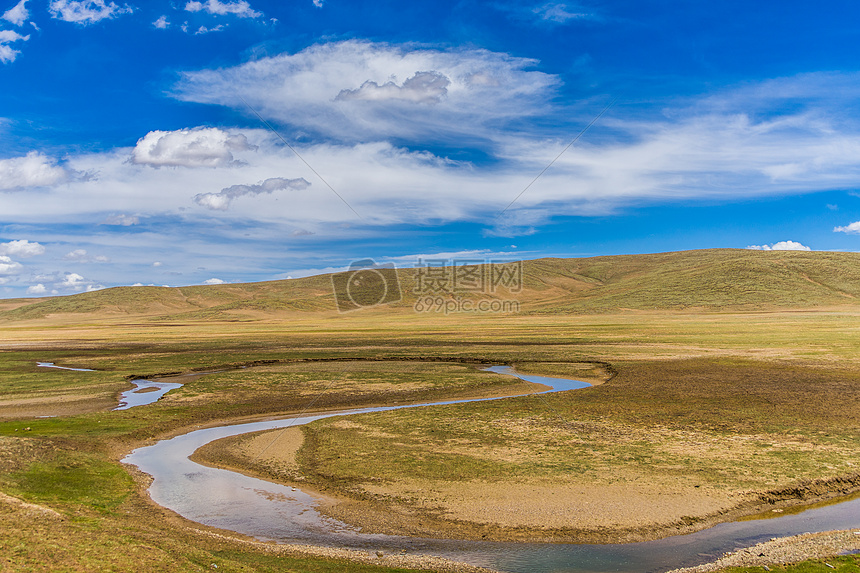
86 11
121 220
7 53
32 170
318 3
18 14
359 91
423 87
199 147
38 288
21 248
72 280
8 267
239 8
781 246
162 23
213 281
221 201
851 229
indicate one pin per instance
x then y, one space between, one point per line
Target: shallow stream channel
285 514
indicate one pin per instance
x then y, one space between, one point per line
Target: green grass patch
71 478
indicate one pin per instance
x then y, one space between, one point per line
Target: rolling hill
710 280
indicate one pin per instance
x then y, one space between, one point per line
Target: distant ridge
719 279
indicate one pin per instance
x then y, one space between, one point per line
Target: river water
274 512
145 392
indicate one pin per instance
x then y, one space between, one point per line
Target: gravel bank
402 560
785 550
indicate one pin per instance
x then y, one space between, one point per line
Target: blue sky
184 142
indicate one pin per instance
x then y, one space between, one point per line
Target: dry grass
751 387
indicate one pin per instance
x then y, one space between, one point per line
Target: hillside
723 279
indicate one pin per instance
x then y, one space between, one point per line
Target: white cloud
361 91
56 282
221 201
7 54
78 255
559 13
157 264
851 229
318 3
121 220
8 267
86 11
781 246
240 8
423 87
199 147
204 30
32 170
21 248
162 23
213 281
73 282
18 14
213 201
81 256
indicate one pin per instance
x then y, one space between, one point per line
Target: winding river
274 512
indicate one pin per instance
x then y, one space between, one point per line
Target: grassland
733 371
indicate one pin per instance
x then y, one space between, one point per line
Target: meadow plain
731 383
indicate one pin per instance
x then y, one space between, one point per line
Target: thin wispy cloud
121 220
717 152
561 13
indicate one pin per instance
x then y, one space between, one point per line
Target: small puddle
52 365
145 392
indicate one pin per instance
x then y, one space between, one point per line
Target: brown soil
55 405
